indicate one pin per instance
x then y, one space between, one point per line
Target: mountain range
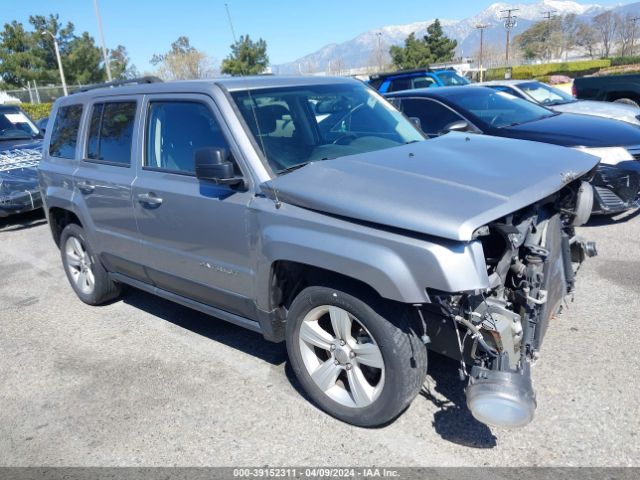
361 50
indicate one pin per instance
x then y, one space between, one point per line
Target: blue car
422 78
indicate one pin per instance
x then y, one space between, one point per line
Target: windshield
295 125
546 95
14 124
498 109
452 79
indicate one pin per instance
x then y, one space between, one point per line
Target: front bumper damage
532 258
19 190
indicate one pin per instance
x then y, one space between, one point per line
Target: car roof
435 92
205 85
506 82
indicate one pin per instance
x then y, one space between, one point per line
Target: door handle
149 200
86 187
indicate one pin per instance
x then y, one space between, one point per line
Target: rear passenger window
64 136
111 132
175 130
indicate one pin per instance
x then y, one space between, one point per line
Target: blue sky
291 28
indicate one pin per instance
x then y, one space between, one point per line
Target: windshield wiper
294 167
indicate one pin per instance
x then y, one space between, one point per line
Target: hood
571 130
18 169
29 143
446 187
616 111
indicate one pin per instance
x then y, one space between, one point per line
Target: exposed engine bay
532 257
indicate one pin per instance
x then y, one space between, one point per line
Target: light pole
481 27
55 46
510 22
379 35
107 65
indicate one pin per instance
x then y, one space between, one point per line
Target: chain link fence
36 94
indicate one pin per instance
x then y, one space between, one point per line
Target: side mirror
457 126
213 164
416 122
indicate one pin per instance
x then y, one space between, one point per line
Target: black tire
104 289
403 353
627 101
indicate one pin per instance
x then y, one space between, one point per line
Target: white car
559 101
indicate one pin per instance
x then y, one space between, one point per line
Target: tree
28 55
542 40
626 34
121 68
419 53
442 47
606 26
246 58
586 38
182 62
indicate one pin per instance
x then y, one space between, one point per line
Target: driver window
434 116
175 130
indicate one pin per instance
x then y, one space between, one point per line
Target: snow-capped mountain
361 50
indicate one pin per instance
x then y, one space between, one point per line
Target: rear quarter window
64 136
111 132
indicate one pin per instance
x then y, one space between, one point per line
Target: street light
55 46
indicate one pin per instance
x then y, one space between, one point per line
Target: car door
103 180
194 234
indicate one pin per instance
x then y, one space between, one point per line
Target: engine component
501 398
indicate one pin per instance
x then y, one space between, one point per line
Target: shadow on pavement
602 220
207 326
454 422
22 221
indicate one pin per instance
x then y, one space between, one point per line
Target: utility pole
481 27
510 22
107 65
57 49
548 16
379 35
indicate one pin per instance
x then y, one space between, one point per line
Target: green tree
419 53
28 54
442 47
414 54
121 66
246 58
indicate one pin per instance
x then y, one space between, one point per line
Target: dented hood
446 187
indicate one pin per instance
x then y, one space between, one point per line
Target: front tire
85 273
358 360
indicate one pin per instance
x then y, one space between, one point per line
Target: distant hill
361 50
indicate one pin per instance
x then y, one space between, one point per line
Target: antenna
233 32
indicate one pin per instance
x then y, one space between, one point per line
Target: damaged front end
19 190
532 256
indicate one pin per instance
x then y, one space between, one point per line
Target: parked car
312 211
420 78
490 112
559 101
623 89
20 152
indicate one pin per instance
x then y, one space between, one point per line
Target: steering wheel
339 140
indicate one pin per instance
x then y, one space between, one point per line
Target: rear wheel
359 364
627 101
85 273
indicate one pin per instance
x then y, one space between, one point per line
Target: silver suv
312 211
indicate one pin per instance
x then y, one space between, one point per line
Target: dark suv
311 210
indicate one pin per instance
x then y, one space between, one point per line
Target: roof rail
119 83
377 76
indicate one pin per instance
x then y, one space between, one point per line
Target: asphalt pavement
144 382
